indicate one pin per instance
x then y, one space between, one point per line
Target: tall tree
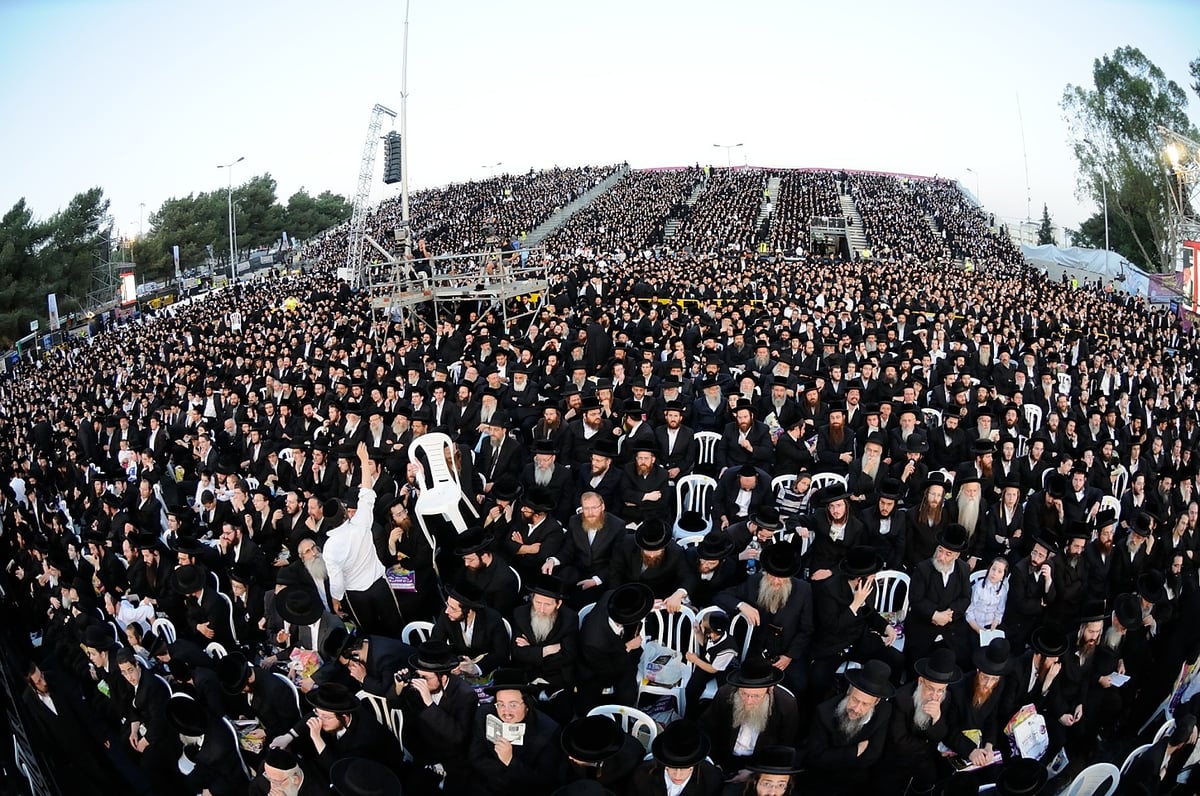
1194 69
1114 128
1046 230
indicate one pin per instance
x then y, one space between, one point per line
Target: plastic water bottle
752 563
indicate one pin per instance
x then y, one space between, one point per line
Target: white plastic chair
781 482
676 632
948 476
706 448
584 611
694 493
1021 449
232 624
887 586
416 631
165 629
1133 756
1033 416
1110 502
285 455
441 491
977 576
1167 728
933 417
517 575
291 686
1064 383
237 747
1098 779
379 706
822 480
691 540
215 650
631 720
1122 482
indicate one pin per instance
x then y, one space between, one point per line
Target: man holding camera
439 714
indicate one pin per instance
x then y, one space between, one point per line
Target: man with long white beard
779 608
920 721
866 472
969 510
545 473
546 642
848 737
940 593
749 712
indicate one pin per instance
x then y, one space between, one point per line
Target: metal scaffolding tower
106 272
366 171
1181 156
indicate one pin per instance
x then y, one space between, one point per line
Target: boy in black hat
679 764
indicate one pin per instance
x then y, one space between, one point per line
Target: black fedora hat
1047 542
299 605
473 541
1093 611
1022 776
468 595
506 487
891 488
873 678
995 658
691 522
766 517
434 656
592 739
333 697
190 578
539 501
775 760
939 667
100 637
981 446
233 671
715 546
1152 587
547 586
681 745
1128 610
832 493
860 561
953 537
358 776
755 673
936 478
1049 640
187 716
508 679
652 535
781 560
606 447
629 603
1056 485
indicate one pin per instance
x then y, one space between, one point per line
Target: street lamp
728 152
232 255
977 197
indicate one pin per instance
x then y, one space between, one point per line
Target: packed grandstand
736 507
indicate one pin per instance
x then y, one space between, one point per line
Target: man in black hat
835 442
546 643
473 630
939 594
601 476
1122 650
1080 501
610 645
745 440
1159 767
339 727
1131 553
676 442
1032 591
547 474
491 576
209 616
515 748
108 566
884 524
738 490
270 700
653 557
748 713
307 623
920 721
599 753
848 628
586 430
711 565
850 732
978 702
779 607
209 747
439 715
647 486
284 773
835 530
678 765
1039 680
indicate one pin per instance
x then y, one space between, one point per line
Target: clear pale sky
145 99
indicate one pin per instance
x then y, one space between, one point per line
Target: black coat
785 632
537 764
830 758
489 639
440 733
558 670
673 573
783 726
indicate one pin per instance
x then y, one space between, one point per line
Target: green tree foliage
51 256
1194 69
1046 230
307 215
1114 131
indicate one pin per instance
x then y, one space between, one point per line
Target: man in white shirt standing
355 572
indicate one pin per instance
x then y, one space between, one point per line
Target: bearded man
920 721
848 737
748 713
835 442
647 488
939 595
979 703
970 511
546 642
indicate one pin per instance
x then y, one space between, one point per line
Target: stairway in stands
770 202
563 214
854 224
671 228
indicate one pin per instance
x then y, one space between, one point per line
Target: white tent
1087 264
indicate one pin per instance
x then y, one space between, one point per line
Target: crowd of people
726 213
802 196
217 528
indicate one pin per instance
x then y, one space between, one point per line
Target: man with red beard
647 491
978 703
1077 674
980 466
835 442
925 522
746 440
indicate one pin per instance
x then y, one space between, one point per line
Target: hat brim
857 678
941 678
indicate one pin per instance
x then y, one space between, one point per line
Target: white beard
755 718
542 625
316 568
542 477
771 599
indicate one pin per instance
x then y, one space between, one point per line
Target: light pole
232 255
977 197
141 215
728 152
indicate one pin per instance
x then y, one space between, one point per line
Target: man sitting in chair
474 631
750 712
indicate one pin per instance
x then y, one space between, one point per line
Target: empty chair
706 450
694 493
1098 779
933 417
891 598
1033 417
822 480
416 631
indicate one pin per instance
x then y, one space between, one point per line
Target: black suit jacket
558 670
490 638
536 766
682 455
783 726
788 631
673 573
584 559
831 758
